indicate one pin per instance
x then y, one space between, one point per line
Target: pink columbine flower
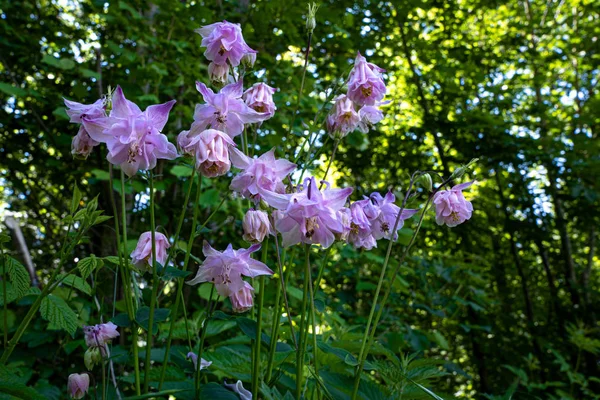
218 74
238 387
225 111
141 257
210 148
242 300
345 217
369 116
78 385
256 226
360 234
225 269
365 83
343 118
224 43
76 111
203 363
310 215
82 144
260 98
451 207
133 137
382 214
98 336
259 175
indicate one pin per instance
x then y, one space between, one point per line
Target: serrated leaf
112 259
78 283
142 317
18 277
88 265
56 311
75 199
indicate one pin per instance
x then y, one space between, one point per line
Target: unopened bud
249 59
426 182
256 226
218 74
461 170
311 21
92 357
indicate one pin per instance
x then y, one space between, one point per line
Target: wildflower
82 144
78 385
210 148
225 111
345 217
225 269
260 98
76 111
369 116
365 83
218 73
203 363
141 257
249 59
451 207
382 214
256 226
97 336
360 234
224 43
238 387
259 175
343 119
310 215
242 301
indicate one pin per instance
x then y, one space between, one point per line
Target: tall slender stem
285 298
335 146
202 337
127 282
180 280
5 313
150 338
274 330
300 352
103 382
314 327
257 345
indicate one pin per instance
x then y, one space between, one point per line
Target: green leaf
173 273
12 90
142 317
122 320
210 198
4 238
181 170
88 265
88 73
78 283
61 112
101 175
76 199
112 259
155 394
18 277
60 63
56 311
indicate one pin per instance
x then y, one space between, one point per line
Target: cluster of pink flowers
359 108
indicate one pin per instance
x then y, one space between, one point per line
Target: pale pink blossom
224 43
100 335
141 257
242 300
203 363
76 111
218 73
369 116
451 207
82 144
259 97
365 83
210 149
343 119
382 214
256 226
78 385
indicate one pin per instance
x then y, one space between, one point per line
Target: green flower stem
4 278
285 298
103 382
201 343
321 270
274 329
314 329
258 342
127 283
150 338
335 146
180 280
302 345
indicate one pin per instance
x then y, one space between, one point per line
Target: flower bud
141 257
82 144
256 226
78 385
242 300
218 73
249 59
92 357
426 181
311 21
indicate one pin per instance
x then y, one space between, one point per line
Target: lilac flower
76 111
224 43
98 336
238 387
365 83
133 137
369 116
343 119
242 300
203 363
210 148
259 175
82 144
141 257
78 385
360 228
256 226
225 269
225 111
260 98
218 73
451 207
382 214
310 215
344 215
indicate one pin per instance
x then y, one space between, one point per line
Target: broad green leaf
78 283
17 276
12 90
181 171
88 265
142 317
56 311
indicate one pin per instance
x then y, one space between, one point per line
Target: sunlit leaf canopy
507 301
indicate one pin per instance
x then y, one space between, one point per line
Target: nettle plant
286 211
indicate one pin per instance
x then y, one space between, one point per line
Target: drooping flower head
382 214
451 207
238 388
360 234
78 385
76 111
242 300
260 98
310 215
225 269
369 116
343 118
141 257
98 336
218 74
203 363
225 111
365 83
259 175
133 137
82 144
256 226
224 43
210 148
